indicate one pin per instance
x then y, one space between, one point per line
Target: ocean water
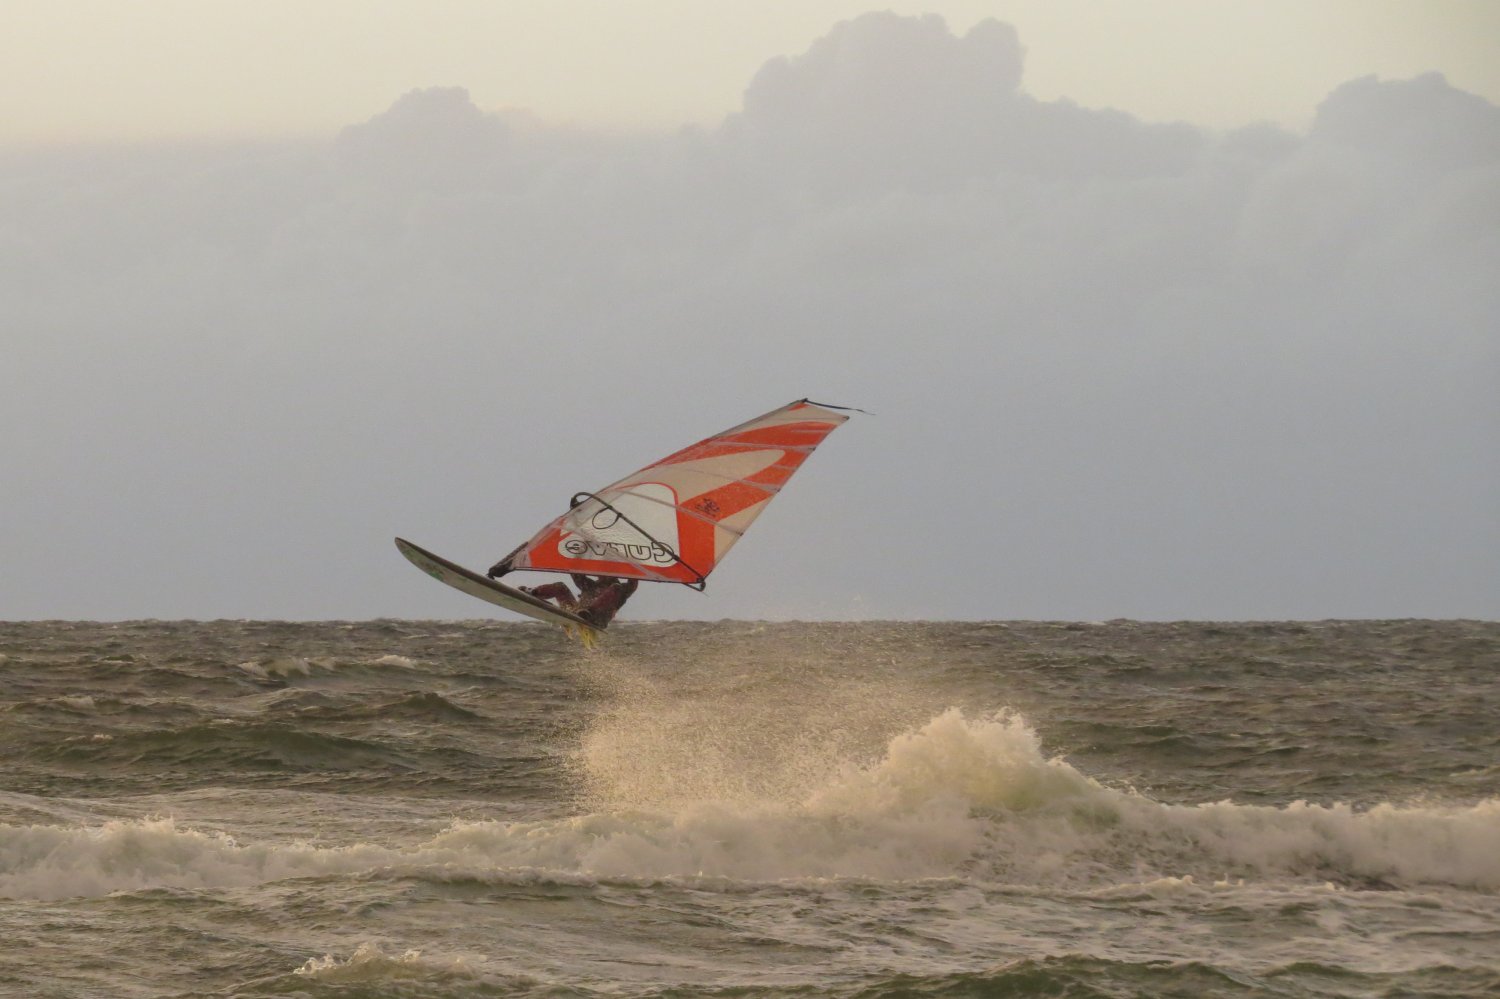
425 809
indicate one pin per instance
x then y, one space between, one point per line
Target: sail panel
675 519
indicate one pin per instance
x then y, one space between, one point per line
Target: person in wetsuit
599 598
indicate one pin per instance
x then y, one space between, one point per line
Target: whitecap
370 964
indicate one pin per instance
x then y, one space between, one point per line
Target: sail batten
673 520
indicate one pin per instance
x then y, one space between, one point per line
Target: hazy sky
1124 365
89 69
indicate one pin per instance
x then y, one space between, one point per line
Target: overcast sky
1188 315
85 69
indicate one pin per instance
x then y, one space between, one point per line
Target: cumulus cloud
1122 368
886 99
435 136
1424 121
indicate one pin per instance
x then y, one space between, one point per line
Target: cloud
1122 368
886 99
434 136
882 74
1424 121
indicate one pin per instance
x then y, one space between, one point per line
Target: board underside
499 594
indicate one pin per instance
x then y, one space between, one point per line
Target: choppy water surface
465 809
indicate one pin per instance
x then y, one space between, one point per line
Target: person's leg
556 591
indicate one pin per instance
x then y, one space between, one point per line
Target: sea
398 808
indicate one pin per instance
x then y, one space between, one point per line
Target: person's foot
497 570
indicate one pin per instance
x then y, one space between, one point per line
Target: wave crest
958 797
976 798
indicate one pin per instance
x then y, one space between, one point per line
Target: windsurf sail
675 520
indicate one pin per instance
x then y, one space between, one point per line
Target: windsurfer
599 598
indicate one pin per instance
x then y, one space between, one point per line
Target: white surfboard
499 594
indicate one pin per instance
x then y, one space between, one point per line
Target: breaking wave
958 797
976 798
49 862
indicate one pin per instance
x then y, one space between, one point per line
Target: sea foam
976 798
58 861
958 797
369 964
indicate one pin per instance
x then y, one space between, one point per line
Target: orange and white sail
675 520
